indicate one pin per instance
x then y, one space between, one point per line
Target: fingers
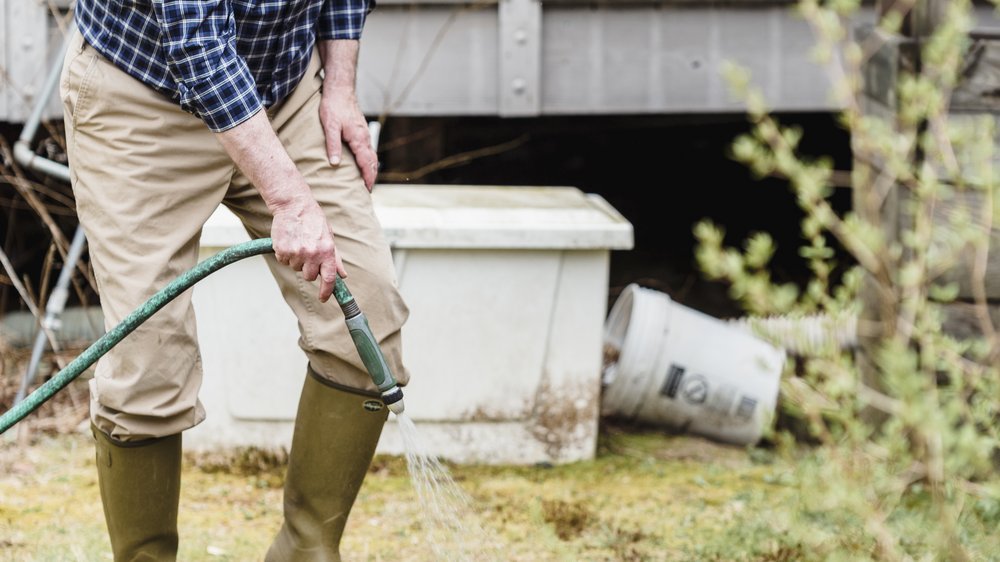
310 271
327 277
340 267
302 257
326 271
290 258
329 271
304 242
346 124
366 158
333 145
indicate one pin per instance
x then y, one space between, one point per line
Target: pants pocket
77 82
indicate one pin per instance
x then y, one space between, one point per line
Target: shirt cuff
341 19
224 98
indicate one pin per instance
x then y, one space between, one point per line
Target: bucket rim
639 318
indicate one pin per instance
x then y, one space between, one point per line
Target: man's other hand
343 122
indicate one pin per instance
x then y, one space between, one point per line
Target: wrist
339 90
291 198
340 61
256 150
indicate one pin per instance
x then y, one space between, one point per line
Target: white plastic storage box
507 289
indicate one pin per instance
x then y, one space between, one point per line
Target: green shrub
907 423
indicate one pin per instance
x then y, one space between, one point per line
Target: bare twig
27 298
455 160
57 196
407 139
838 178
46 275
21 289
20 204
24 187
875 41
60 19
8 236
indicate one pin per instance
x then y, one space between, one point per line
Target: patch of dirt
245 461
568 518
627 545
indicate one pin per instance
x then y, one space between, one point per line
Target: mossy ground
647 496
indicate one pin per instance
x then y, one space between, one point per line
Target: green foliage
907 423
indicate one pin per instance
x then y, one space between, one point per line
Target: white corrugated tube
803 335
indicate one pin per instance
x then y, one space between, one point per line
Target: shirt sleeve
343 19
213 79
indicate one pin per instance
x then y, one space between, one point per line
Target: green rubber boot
336 432
140 487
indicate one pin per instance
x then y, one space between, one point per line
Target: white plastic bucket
686 370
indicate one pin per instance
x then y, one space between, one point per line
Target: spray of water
451 524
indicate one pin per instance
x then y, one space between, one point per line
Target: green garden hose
366 343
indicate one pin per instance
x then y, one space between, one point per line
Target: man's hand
342 120
339 110
303 240
300 233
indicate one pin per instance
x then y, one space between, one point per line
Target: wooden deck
524 58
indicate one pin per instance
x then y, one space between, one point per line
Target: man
173 107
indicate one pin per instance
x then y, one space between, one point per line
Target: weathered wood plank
967 131
966 208
963 320
979 86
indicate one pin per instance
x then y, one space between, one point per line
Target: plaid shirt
222 60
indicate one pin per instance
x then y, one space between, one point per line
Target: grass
647 496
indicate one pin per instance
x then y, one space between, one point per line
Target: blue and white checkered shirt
222 60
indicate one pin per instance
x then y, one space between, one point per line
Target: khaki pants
146 176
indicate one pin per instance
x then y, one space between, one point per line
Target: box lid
476 216
498 217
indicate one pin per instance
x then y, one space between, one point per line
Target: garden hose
363 338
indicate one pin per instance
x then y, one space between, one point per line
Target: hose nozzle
393 399
368 349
